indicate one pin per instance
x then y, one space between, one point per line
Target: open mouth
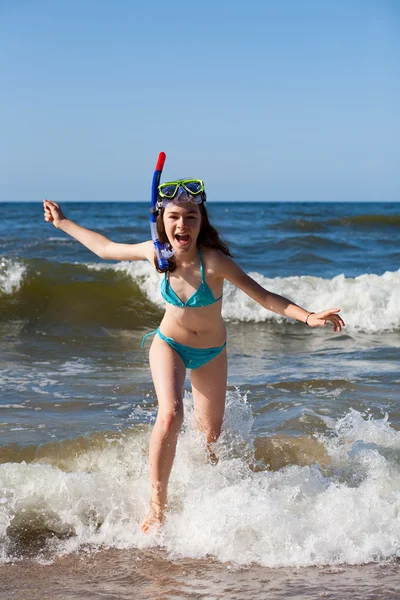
182 239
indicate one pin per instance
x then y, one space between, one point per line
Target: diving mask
182 190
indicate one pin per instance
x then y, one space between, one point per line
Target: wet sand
145 575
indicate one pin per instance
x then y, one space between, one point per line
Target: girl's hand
52 212
320 319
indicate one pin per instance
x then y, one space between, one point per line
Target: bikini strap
147 335
201 266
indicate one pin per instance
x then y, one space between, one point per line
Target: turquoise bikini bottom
192 357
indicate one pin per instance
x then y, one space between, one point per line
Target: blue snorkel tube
162 251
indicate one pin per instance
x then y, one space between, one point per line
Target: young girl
192 333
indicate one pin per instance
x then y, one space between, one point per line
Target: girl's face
182 225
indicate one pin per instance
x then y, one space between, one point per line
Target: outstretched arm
97 243
233 273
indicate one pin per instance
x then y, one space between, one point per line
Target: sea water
305 495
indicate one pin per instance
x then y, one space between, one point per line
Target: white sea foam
346 513
11 275
368 302
75 366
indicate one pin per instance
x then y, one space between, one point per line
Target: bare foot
211 455
154 518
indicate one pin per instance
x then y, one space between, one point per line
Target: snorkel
162 251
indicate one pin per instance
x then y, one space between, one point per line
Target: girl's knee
171 420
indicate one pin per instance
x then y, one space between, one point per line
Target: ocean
304 501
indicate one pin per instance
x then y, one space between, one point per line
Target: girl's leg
168 372
209 391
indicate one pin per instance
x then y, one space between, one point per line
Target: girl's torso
193 304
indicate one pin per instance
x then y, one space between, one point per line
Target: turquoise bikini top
203 296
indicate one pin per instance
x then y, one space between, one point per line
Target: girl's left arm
228 269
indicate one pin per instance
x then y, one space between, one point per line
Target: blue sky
264 99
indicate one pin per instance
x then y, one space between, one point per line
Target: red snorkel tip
160 161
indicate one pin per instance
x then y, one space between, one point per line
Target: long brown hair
208 236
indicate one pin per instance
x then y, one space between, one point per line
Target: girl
191 334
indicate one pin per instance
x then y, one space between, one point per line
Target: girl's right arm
97 243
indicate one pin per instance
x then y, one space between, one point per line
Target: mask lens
193 187
168 190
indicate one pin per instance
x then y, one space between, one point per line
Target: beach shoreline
149 574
